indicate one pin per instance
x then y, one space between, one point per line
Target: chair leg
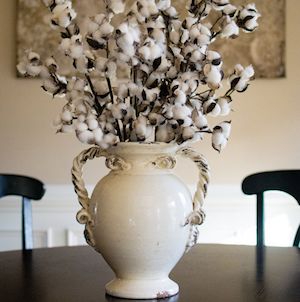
27 242
297 238
260 220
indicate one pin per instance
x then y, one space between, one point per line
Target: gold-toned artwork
265 49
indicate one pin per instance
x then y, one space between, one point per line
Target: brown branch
98 107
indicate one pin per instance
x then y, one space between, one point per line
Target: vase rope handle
197 216
83 216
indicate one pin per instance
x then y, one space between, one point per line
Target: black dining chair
287 181
29 189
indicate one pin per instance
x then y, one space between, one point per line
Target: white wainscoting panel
230 218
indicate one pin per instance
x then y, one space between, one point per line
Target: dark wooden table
207 273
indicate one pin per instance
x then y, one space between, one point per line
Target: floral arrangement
154 76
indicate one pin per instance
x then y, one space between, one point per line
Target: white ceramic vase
141 217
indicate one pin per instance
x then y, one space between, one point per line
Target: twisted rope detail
83 216
197 216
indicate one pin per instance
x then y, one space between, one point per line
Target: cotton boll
81 117
216 111
111 69
174 37
193 85
241 85
162 134
248 72
133 89
229 9
49 86
51 64
171 12
172 72
155 118
82 64
184 36
66 116
196 56
140 131
224 105
149 133
213 76
64 20
180 112
100 87
152 8
92 124
106 29
210 107
122 91
81 108
92 26
180 97
203 40
173 124
101 64
159 36
65 44
145 52
110 128
21 67
218 141
66 129
140 126
79 84
199 120
81 127
226 128
119 110
117 6
103 145
197 137
155 52
168 111
163 4
212 55
186 122
190 21
32 70
187 133
251 24
33 57
76 51
86 137
238 69
98 135
230 30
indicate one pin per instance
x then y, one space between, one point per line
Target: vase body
138 216
141 217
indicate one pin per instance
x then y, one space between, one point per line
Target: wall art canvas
265 49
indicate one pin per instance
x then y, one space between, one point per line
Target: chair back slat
287 181
28 188
21 186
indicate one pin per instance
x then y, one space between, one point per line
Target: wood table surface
207 273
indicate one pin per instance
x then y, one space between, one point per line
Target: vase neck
142 158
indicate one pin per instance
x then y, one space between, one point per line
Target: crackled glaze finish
141 217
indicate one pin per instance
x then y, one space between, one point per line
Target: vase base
142 289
